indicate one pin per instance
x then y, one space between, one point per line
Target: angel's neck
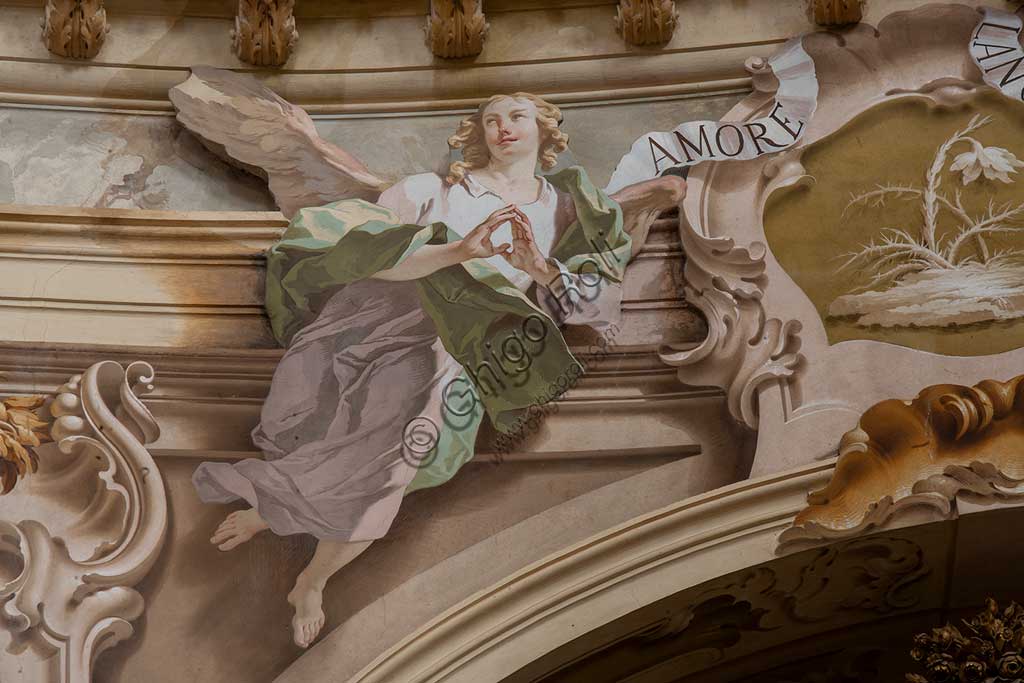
518 173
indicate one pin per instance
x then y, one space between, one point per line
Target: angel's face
510 129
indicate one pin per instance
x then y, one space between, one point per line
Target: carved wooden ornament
647 22
75 28
951 441
837 12
264 33
456 28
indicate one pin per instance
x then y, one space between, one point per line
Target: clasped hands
521 254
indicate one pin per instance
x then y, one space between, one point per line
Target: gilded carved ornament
456 28
264 33
951 441
75 28
988 648
647 22
84 524
837 12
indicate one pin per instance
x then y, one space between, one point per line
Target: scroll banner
697 141
997 51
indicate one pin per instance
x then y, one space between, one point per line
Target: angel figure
421 304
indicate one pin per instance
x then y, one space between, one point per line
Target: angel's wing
237 116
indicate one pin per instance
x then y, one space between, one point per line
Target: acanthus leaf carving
264 33
84 528
878 575
743 350
456 28
837 12
75 28
647 22
950 442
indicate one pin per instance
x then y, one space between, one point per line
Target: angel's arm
642 203
425 261
584 298
587 298
430 258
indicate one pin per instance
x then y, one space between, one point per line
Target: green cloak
475 308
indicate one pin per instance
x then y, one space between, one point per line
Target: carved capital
264 33
79 532
74 28
646 22
456 28
836 12
950 442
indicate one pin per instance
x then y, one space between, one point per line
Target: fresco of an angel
432 301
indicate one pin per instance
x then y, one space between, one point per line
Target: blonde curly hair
469 137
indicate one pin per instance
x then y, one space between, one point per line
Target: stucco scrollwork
77 534
264 33
877 575
837 12
74 28
456 28
950 442
646 22
745 349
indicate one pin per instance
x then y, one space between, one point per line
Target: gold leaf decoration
21 430
837 12
951 440
987 648
647 22
75 28
456 28
264 33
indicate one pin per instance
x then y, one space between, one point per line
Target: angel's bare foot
238 528
307 598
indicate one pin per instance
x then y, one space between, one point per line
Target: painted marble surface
117 161
89 159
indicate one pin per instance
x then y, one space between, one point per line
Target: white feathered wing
237 116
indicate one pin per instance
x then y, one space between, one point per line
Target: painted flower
995 162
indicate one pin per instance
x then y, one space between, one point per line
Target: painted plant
945 272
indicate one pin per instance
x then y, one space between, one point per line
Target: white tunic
426 198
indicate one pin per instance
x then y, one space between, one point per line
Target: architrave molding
75 28
646 22
456 28
84 529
